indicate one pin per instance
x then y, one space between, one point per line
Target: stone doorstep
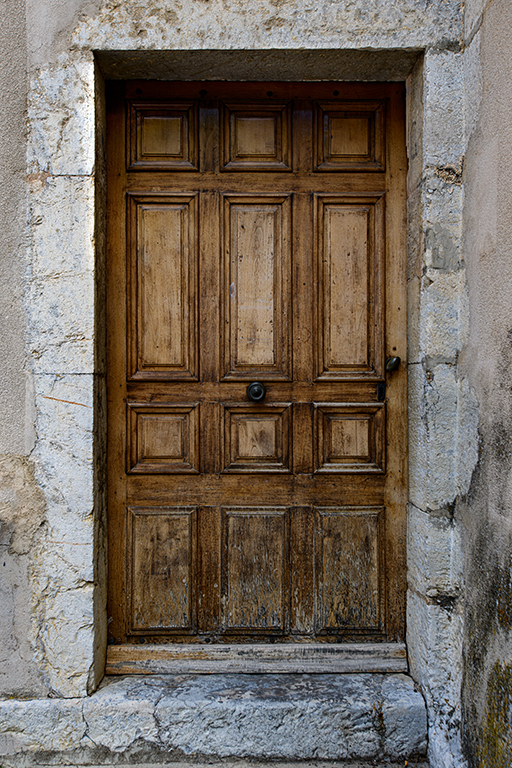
136 719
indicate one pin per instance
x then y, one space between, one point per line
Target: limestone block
443 105
255 716
40 724
65 640
472 16
434 638
472 80
433 401
439 314
61 210
267 716
263 25
61 118
119 715
434 554
61 323
442 200
405 721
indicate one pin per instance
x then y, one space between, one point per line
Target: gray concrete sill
175 718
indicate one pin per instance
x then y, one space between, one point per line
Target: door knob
256 391
392 364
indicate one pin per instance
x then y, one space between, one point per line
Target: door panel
164 275
257 287
256 238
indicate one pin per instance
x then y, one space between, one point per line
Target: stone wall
54 476
486 510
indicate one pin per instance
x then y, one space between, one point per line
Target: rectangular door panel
349 437
162 136
350 136
257 287
161 565
163 277
255 570
256 136
163 438
257 438
349 585
350 261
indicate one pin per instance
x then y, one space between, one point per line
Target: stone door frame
66 342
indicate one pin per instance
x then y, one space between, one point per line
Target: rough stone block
61 118
434 637
439 316
61 210
61 324
295 717
443 105
434 554
432 436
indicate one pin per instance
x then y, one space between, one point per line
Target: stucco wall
487 511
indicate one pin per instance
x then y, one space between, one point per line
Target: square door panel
257 438
255 592
161 562
349 136
256 136
349 570
163 438
349 437
163 136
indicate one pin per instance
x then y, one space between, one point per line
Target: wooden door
256 234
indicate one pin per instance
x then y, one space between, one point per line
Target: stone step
173 718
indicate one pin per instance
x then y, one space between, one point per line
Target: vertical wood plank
209 569
302 550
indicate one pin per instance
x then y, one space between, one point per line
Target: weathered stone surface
283 717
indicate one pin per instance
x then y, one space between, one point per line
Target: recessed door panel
161 560
256 136
257 438
163 279
255 590
257 286
350 254
349 584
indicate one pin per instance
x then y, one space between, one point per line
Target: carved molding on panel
161 570
256 136
350 250
163 136
350 584
350 136
349 437
163 274
163 438
257 438
257 287
255 572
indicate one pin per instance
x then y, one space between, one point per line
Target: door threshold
257 658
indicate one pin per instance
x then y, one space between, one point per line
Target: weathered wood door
256 234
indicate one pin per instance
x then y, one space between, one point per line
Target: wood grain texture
162 136
257 658
238 251
161 567
256 137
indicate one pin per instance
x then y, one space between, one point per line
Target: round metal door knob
256 391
